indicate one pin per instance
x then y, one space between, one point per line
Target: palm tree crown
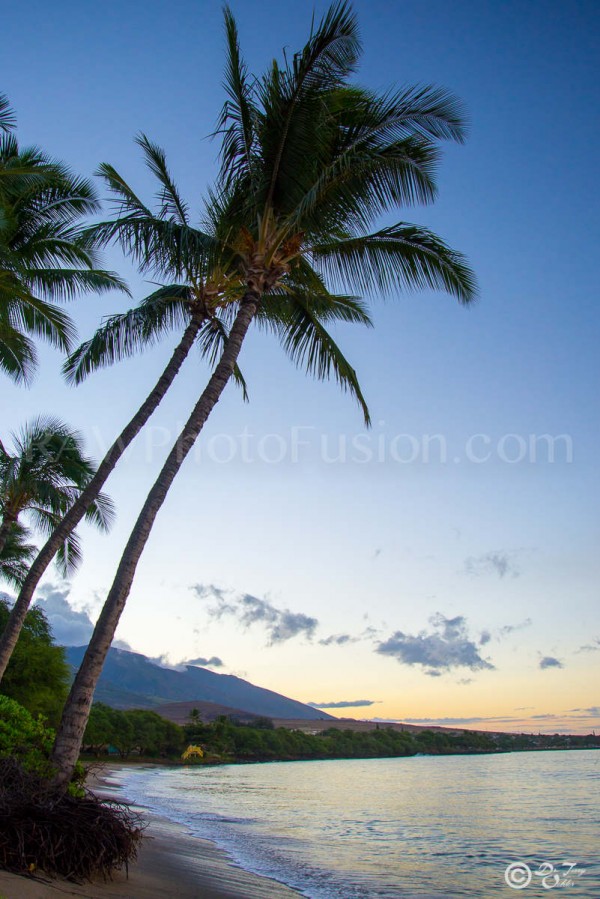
40 479
42 257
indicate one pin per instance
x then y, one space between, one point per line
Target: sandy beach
170 863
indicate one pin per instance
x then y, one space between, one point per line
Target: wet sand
171 864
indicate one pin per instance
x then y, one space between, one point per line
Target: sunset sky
443 567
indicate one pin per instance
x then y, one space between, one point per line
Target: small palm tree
42 256
43 477
308 163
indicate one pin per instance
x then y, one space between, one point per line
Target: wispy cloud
550 662
201 662
497 562
445 647
344 704
249 610
594 646
338 640
500 633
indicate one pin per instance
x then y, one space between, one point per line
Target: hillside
131 680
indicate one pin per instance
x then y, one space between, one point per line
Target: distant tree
38 675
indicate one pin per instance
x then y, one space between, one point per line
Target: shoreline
170 862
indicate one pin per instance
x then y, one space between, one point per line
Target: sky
443 567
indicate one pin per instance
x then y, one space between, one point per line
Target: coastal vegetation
144 735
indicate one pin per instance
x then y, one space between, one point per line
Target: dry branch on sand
76 838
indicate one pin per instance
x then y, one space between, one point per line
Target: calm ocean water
414 827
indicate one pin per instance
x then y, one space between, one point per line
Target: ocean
427 827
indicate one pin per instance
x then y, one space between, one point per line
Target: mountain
130 680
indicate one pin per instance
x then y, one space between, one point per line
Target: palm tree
42 256
165 244
39 480
308 164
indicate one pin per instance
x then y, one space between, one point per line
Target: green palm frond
18 358
122 336
42 255
8 119
101 513
212 340
16 555
171 203
36 317
310 345
401 257
69 556
162 242
236 123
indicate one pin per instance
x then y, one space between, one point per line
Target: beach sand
171 864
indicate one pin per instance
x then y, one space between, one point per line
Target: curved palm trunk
72 518
76 712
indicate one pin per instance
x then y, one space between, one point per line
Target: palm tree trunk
76 712
72 518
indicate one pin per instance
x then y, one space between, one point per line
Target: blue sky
466 520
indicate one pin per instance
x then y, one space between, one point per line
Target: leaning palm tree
39 480
166 245
309 162
43 259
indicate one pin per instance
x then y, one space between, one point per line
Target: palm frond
403 256
172 206
8 119
121 336
69 556
212 340
310 346
236 122
101 513
18 357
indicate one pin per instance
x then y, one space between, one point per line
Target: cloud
550 662
338 640
496 562
594 646
447 646
280 624
510 628
344 704
213 662
592 711
69 627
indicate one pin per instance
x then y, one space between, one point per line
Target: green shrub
23 737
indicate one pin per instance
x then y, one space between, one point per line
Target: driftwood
75 838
